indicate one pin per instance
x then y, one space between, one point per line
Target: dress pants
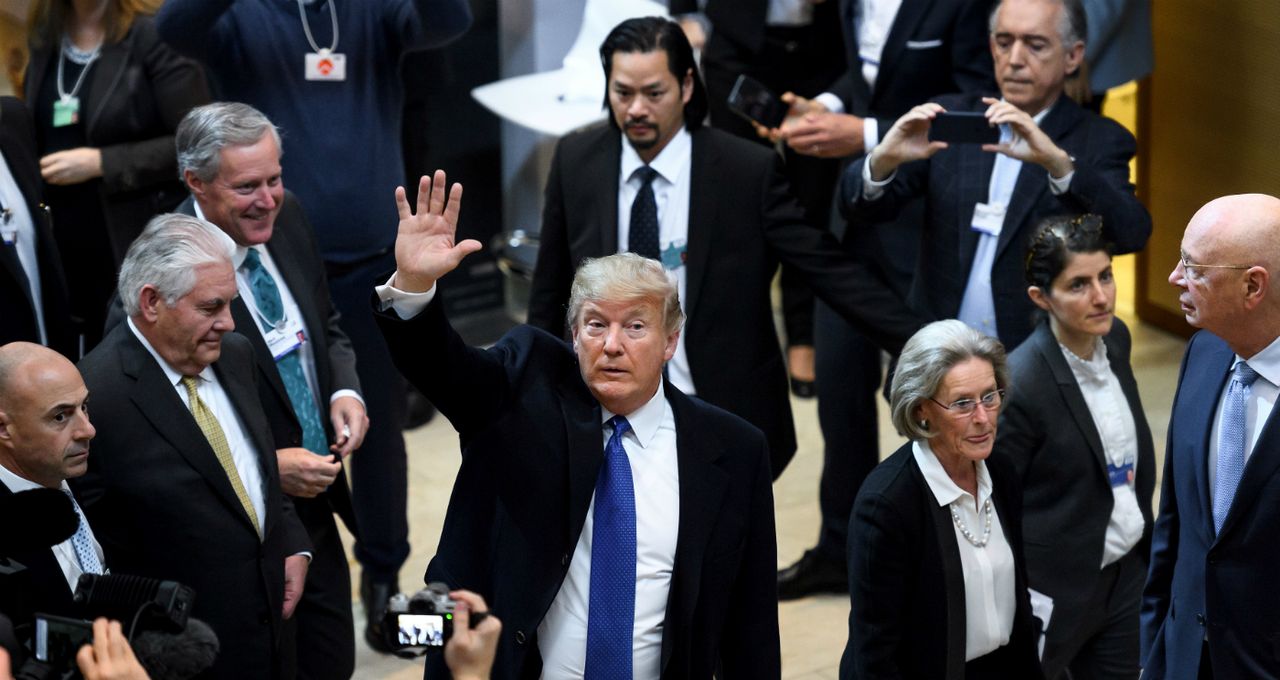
379 486
1106 644
326 643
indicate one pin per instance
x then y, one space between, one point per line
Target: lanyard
62 59
333 16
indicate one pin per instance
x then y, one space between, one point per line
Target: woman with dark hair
937 584
1075 432
107 95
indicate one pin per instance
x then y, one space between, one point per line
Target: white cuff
346 393
870 134
406 305
832 102
1059 185
871 189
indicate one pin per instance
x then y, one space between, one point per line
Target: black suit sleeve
1021 434
879 560
553 275
845 284
1101 186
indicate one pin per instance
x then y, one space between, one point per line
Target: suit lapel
910 14
952 571
1258 470
585 441
605 203
157 400
239 386
974 178
107 72
701 216
1205 375
1032 179
1048 348
861 99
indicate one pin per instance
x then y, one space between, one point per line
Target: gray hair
206 130
166 256
923 365
1073 25
625 276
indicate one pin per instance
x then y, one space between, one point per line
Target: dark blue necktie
611 609
643 239
266 298
1232 442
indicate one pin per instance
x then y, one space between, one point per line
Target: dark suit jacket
531 453
137 94
1048 435
957 178
742 222
1224 584
18 145
294 251
906 582
162 506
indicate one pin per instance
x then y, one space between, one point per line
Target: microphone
177 656
47 519
165 604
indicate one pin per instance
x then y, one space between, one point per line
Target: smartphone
58 639
963 127
422 630
750 99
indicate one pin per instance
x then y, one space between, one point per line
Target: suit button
564 559
1200 619
519 637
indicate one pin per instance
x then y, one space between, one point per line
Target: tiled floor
813 630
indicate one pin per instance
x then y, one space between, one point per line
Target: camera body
417 624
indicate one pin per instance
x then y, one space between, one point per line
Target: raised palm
425 248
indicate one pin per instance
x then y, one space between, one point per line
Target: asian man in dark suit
716 211
616 524
1211 608
184 485
30 269
229 156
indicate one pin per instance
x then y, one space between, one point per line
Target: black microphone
158 604
177 656
35 520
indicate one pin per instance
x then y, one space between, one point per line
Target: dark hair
48 19
1055 240
648 34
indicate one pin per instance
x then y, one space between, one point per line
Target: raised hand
425 248
907 140
1029 143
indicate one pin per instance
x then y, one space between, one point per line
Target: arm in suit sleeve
1101 186
911 180
295 537
878 560
424 24
553 274
1021 433
192 27
847 285
751 643
177 85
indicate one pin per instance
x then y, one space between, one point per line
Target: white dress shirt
211 392
674 165
1119 434
1258 407
20 228
291 311
64 552
562 635
789 13
989 578
873 22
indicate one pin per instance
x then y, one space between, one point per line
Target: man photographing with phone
982 200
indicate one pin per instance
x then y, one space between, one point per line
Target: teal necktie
270 307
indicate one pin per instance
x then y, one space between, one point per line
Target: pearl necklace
964 530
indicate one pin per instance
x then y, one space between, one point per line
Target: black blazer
294 251
531 453
161 504
18 145
906 582
957 178
137 94
1047 434
743 221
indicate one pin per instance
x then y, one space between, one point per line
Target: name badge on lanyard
284 338
1120 475
326 65
988 218
66 111
9 234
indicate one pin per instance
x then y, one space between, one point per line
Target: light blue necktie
611 609
1232 439
83 542
266 296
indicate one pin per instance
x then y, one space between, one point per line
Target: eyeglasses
965 407
1187 264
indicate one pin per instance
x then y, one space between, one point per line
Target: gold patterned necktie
213 432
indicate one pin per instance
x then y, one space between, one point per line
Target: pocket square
924 44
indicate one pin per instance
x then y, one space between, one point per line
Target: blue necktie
1232 438
643 239
266 298
611 609
83 542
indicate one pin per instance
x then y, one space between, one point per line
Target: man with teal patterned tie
229 157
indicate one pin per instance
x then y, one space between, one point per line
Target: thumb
461 617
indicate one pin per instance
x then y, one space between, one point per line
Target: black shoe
812 574
374 595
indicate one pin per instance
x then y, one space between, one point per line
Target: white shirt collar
237 260
946 491
1266 362
671 163
1096 368
174 377
645 420
18 483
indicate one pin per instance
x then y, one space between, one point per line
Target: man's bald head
44 422
1240 229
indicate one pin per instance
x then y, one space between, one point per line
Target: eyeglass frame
993 405
1182 260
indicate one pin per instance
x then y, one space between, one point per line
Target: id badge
285 339
674 256
326 65
9 235
1120 475
988 218
66 111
